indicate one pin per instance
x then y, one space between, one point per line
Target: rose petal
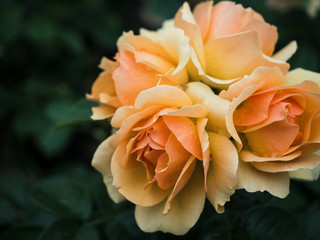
186 133
193 111
180 183
253 180
248 156
217 107
309 162
306 174
272 140
236 56
299 75
102 112
222 177
102 162
131 78
287 52
168 96
130 182
186 210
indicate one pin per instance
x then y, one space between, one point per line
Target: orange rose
163 160
229 42
143 61
275 122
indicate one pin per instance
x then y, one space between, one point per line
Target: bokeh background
49 52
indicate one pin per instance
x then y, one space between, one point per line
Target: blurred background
49 52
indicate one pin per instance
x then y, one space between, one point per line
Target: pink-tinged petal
263 77
102 112
130 182
306 174
248 156
237 55
180 183
253 110
178 156
186 133
129 122
217 107
185 21
315 126
228 18
102 162
202 15
253 180
299 75
308 162
192 111
246 93
287 52
185 212
204 141
160 132
272 140
168 96
130 78
222 175
268 35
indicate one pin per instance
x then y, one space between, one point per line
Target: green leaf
69 229
63 196
77 113
268 223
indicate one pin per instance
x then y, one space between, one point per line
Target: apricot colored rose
276 124
163 160
143 61
229 42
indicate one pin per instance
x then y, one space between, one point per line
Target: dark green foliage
49 52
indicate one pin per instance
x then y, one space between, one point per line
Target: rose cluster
203 107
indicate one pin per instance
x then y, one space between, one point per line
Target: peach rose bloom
229 42
276 124
163 160
143 61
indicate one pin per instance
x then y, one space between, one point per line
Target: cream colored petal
217 107
299 75
121 114
184 20
130 42
253 180
102 112
177 46
204 141
106 64
193 111
222 174
130 182
308 162
287 52
186 210
306 174
162 95
102 162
